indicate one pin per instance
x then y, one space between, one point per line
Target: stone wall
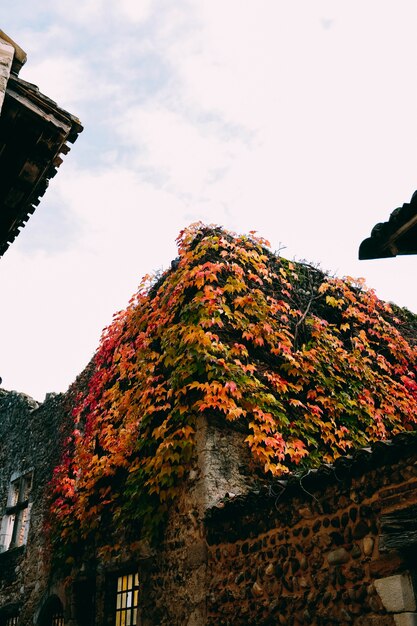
31 436
336 546
173 573
312 553
176 577
6 60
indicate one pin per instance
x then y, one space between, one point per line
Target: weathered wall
176 578
310 555
173 574
6 60
324 550
30 438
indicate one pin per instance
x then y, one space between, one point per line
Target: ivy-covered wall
313 549
229 375
306 366
34 437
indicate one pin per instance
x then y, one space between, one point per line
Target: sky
296 119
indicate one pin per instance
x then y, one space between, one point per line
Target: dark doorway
52 613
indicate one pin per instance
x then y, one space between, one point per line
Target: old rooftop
397 236
34 134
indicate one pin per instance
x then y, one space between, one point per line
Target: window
52 613
15 522
127 600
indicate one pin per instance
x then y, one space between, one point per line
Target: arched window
52 613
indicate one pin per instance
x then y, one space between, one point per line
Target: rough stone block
396 593
6 52
306 512
338 557
197 554
387 565
6 59
375 620
405 619
368 546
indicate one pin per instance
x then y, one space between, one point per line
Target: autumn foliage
310 366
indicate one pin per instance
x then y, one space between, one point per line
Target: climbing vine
310 366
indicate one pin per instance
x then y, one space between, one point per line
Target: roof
34 134
20 56
397 236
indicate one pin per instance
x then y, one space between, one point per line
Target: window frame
15 522
126 599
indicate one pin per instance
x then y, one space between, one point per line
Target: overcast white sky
295 118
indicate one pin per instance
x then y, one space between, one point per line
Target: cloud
52 230
70 82
134 10
187 156
62 78
89 15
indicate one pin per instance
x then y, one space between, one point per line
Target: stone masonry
6 59
313 553
335 546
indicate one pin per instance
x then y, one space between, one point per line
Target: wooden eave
34 133
20 56
397 236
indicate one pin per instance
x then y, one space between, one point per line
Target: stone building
28 452
34 134
334 542
335 547
330 543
